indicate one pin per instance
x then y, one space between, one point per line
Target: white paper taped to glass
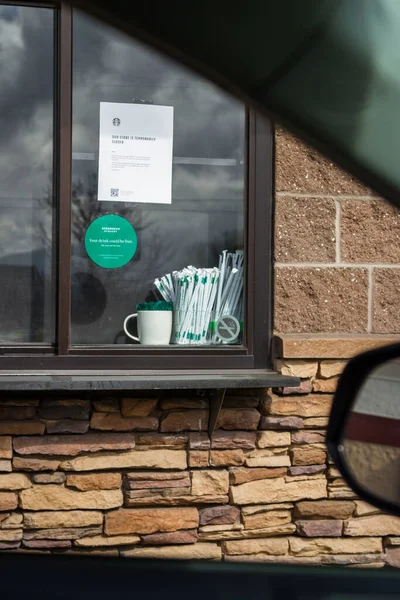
135 153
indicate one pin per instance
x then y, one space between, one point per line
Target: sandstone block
46 544
67 533
238 533
17 413
393 556
274 490
5 446
55 497
234 401
32 427
10 545
268 518
226 458
271 546
243 475
146 459
226 440
316 423
5 466
198 458
320 528
163 498
325 386
203 551
101 540
72 445
307 470
252 510
14 481
331 368
262 458
107 405
219 515
115 422
299 346
179 403
374 525
305 369
308 437
317 546
138 407
199 441
152 441
8 500
281 423
67 426
267 439
209 482
185 420
174 537
238 418
305 387
35 464
312 406
10 521
10 535
64 409
363 509
48 477
150 520
95 481
62 519
307 455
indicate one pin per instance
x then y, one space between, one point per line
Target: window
64 306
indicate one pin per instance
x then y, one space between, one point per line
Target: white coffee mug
154 327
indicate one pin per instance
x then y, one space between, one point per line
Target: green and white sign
110 241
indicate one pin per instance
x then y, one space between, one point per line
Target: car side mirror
363 435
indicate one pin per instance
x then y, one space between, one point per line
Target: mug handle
125 329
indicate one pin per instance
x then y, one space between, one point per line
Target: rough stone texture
6 446
209 482
138 407
301 546
259 459
8 500
311 406
393 557
48 477
55 497
305 369
17 413
180 403
160 440
274 546
32 427
64 409
363 509
35 464
175 537
374 525
308 437
244 475
226 458
201 551
321 300
14 481
99 540
238 418
386 316
46 544
5 466
56 520
233 439
325 386
72 445
268 439
308 455
299 168
328 347
150 520
150 459
305 387
307 470
305 229
320 528
281 423
188 420
275 489
370 231
200 458
10 521
103 481
67 426
331 368
114 422
268 518
71 533
106 404
219 515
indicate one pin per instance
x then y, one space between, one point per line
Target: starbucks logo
117 122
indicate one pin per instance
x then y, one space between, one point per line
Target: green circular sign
110 241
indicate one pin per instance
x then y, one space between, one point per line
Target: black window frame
254 354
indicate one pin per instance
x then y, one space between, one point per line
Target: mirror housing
363 436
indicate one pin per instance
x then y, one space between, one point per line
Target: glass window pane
205 216
26 174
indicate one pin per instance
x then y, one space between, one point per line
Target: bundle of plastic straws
202 295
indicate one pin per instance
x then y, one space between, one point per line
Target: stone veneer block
150 520
141 459
201 551
305 229
386 316
310 406
373 525
61 519
301 169
56 497
72 445
316 546
329 346
370 231
274 490
238 418
185 420
6 446
321 300
115 422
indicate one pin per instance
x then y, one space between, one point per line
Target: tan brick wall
337 249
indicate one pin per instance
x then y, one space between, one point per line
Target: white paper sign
135 153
